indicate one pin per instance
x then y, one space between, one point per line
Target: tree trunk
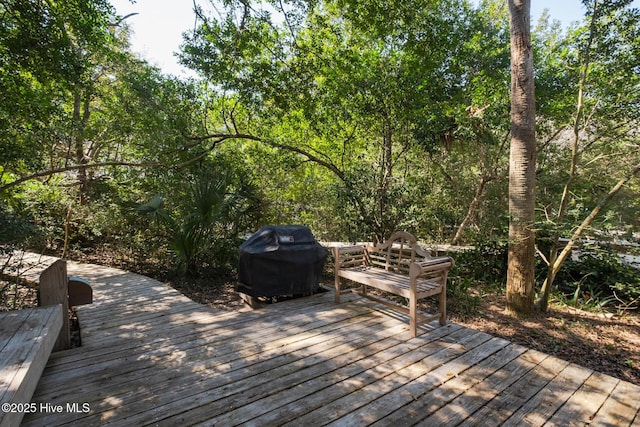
522 164
386 174
473 207
81 115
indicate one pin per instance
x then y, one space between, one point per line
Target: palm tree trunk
522 164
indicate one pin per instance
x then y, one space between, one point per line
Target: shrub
599 277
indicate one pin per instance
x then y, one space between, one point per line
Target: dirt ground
606 343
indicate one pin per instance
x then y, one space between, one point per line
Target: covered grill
280 261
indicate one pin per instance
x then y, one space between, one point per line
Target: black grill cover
280 261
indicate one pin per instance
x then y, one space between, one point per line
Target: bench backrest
397 253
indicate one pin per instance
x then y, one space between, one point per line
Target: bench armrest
432 267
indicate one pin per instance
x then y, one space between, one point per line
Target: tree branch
594 213
327 164
75 167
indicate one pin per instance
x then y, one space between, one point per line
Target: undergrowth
594 280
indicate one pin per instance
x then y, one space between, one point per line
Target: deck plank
212 383
310 395
415 410
354 373
484 392
272 382
218 358
504 405
543 405
190 358
415 390
582 407
150 356
391 375
621 408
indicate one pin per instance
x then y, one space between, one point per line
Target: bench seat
388 281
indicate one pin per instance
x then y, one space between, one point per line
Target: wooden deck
152 356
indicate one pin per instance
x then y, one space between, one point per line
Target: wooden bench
27 338
398 266
49 276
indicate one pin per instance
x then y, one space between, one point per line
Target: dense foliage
354 118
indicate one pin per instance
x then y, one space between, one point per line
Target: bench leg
336 272
443 306
413 311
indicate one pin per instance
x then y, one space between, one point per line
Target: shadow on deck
152 356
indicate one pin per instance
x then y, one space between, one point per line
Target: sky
159 25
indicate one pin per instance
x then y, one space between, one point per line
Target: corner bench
27 338
398 266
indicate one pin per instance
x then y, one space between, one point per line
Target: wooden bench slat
351 249
352 262
9 325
